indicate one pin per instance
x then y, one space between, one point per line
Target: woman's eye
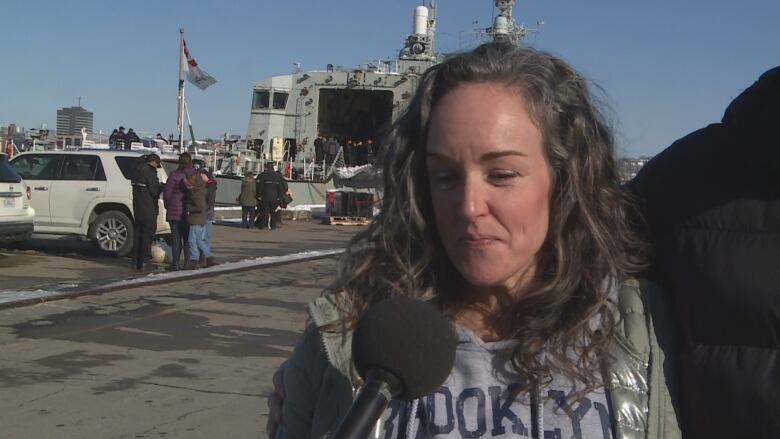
502 176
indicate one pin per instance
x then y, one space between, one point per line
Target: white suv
86 193
16 215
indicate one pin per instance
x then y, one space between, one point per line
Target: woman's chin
489 277
483 278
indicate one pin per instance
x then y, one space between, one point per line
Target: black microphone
403 349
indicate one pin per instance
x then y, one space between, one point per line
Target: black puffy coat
269 186
131 137
712 203
146 192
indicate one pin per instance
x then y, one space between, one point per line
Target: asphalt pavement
190 359
152 355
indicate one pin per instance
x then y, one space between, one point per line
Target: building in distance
70 121
628 167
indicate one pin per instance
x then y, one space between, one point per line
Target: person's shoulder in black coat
712 207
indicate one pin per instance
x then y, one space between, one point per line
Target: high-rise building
71 120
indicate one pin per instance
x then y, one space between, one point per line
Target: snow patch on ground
65 290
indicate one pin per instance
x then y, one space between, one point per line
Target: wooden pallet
346 220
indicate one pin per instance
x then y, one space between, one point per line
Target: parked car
86 193
16 214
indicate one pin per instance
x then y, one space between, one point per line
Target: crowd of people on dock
356 152
262 198
189 197
123 140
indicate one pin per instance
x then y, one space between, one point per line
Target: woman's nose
474 198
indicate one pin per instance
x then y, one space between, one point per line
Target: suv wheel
112 233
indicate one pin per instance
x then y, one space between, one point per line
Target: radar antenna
420 44
505 28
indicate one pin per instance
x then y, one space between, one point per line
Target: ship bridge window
280 100
260 99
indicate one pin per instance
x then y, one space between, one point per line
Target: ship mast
505 28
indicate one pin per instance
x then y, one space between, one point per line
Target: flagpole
189 123
180 116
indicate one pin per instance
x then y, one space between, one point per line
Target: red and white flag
195 74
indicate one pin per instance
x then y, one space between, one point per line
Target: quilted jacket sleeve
302 385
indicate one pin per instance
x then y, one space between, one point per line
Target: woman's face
490 184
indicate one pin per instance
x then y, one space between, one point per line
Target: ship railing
297 170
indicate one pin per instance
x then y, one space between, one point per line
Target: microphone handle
371 401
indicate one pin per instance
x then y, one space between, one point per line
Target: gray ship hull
304 192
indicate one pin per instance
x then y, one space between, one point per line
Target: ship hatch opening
354 114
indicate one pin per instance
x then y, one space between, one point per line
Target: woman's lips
479 241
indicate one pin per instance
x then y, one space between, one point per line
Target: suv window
128 165
82 167
7 173
38 167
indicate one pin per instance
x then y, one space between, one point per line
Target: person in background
119 140
211 202
319 144
130 138
292 152
712 205
349 153
268 192
505 210
146 194
112 137
175 199
357 148
331 150
362 152
281 204
371 149
197 210
248 199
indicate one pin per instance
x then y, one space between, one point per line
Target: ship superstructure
289 111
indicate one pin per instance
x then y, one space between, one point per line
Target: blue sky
667 67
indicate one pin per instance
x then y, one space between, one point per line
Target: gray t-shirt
475 402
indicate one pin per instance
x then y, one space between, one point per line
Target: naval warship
289 111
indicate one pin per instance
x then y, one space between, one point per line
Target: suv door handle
41 188
93 189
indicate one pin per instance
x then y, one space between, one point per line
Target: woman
175 199
197 218
502 207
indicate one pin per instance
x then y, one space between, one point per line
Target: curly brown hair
564 319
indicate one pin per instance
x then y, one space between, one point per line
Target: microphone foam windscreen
410 339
